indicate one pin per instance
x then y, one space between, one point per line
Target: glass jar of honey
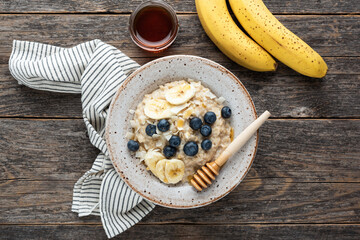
153 25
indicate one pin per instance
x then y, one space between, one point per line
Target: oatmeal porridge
179 127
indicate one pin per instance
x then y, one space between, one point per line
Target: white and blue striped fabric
96 70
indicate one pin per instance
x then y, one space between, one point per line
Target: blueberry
195 123
191 148
150 129
174 141
226 112
163 125
206 144
210 117
133 145
205 130
169 151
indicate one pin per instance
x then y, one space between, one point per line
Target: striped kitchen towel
96 70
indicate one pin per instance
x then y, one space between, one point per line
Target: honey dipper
203 176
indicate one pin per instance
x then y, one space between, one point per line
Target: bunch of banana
168 171
264 28
176 98
228 37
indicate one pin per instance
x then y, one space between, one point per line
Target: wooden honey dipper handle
241 139
203 176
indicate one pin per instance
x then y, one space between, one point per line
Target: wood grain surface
300 179
330 36
304 183
181 231
335 96
286 93
186 6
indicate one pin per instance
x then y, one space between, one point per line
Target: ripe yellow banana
228 37
266 30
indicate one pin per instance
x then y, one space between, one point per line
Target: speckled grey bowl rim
115 99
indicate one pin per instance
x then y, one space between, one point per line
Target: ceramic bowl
145 80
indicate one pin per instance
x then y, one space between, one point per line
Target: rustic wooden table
304 183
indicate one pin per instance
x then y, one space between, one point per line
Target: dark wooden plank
305 171
254 201
275 6
306 150
336 66
335 96
285 93
50 149
179 231
328 35
298 97
20 101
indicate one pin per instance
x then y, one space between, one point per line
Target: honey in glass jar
153 26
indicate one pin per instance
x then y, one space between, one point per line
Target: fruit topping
163 125
191 148
133 145
205 130
206 144
169 151
209 117
158 109
180 94
150 129
170 171
174 141
195 123
160 170
226 112
151 159
174 170
180 123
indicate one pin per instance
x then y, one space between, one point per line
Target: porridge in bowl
179 127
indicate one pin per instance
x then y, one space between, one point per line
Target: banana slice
174 170
160 170
158 109
151 159
180 94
